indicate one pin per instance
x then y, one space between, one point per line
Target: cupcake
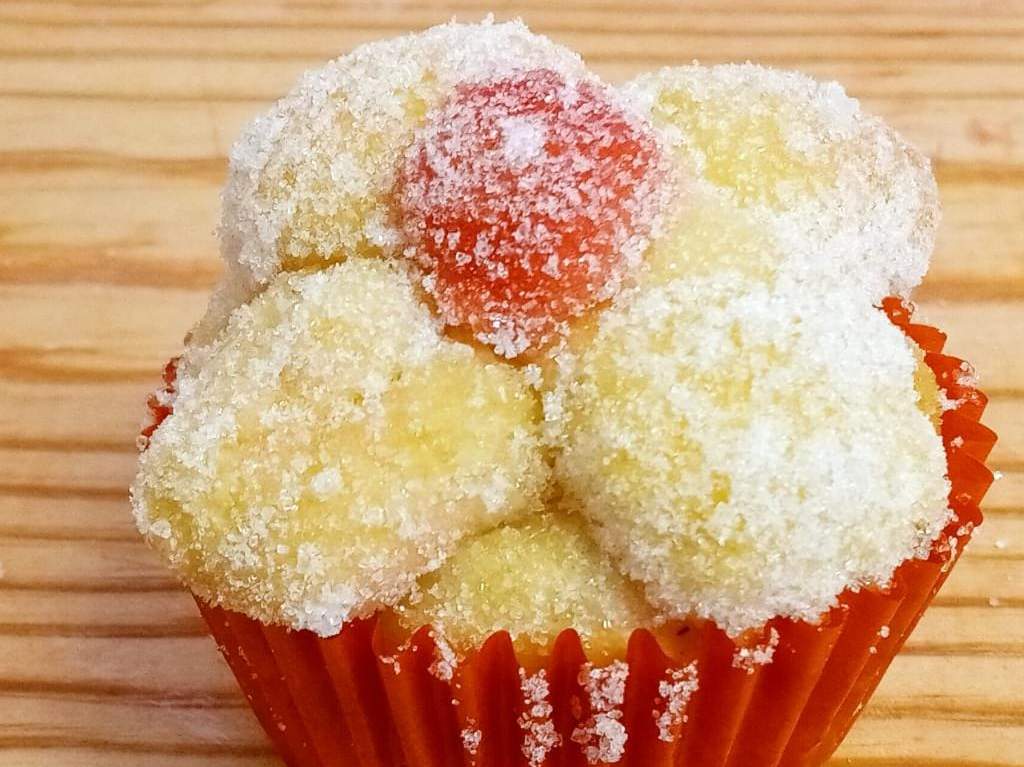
541 422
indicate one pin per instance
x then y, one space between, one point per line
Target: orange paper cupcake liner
788 696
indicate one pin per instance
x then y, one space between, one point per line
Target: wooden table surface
115 119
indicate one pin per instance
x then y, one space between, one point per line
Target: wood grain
115 120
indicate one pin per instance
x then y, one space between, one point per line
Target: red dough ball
526 199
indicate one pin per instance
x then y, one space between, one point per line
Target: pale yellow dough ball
848 199
534 579
746 454
330 447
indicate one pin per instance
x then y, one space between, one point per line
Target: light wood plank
974 257
112 614
87 140
987 334
82 566
194 726
1006 495
905 742
115 123
74 414
55 474
1007 414
77 331
94 666
965 630
44 755
65 517
155 227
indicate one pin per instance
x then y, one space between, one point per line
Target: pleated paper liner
785 696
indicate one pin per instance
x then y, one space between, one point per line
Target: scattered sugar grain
446 661
539 734
603 735
471 738
749 658
674 694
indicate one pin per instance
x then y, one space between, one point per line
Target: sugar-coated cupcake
541 422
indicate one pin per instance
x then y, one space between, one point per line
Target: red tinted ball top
526 199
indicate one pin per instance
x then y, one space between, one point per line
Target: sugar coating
533 578
330 447
311 181
740 430
527 199
705 233
849 200
747 452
